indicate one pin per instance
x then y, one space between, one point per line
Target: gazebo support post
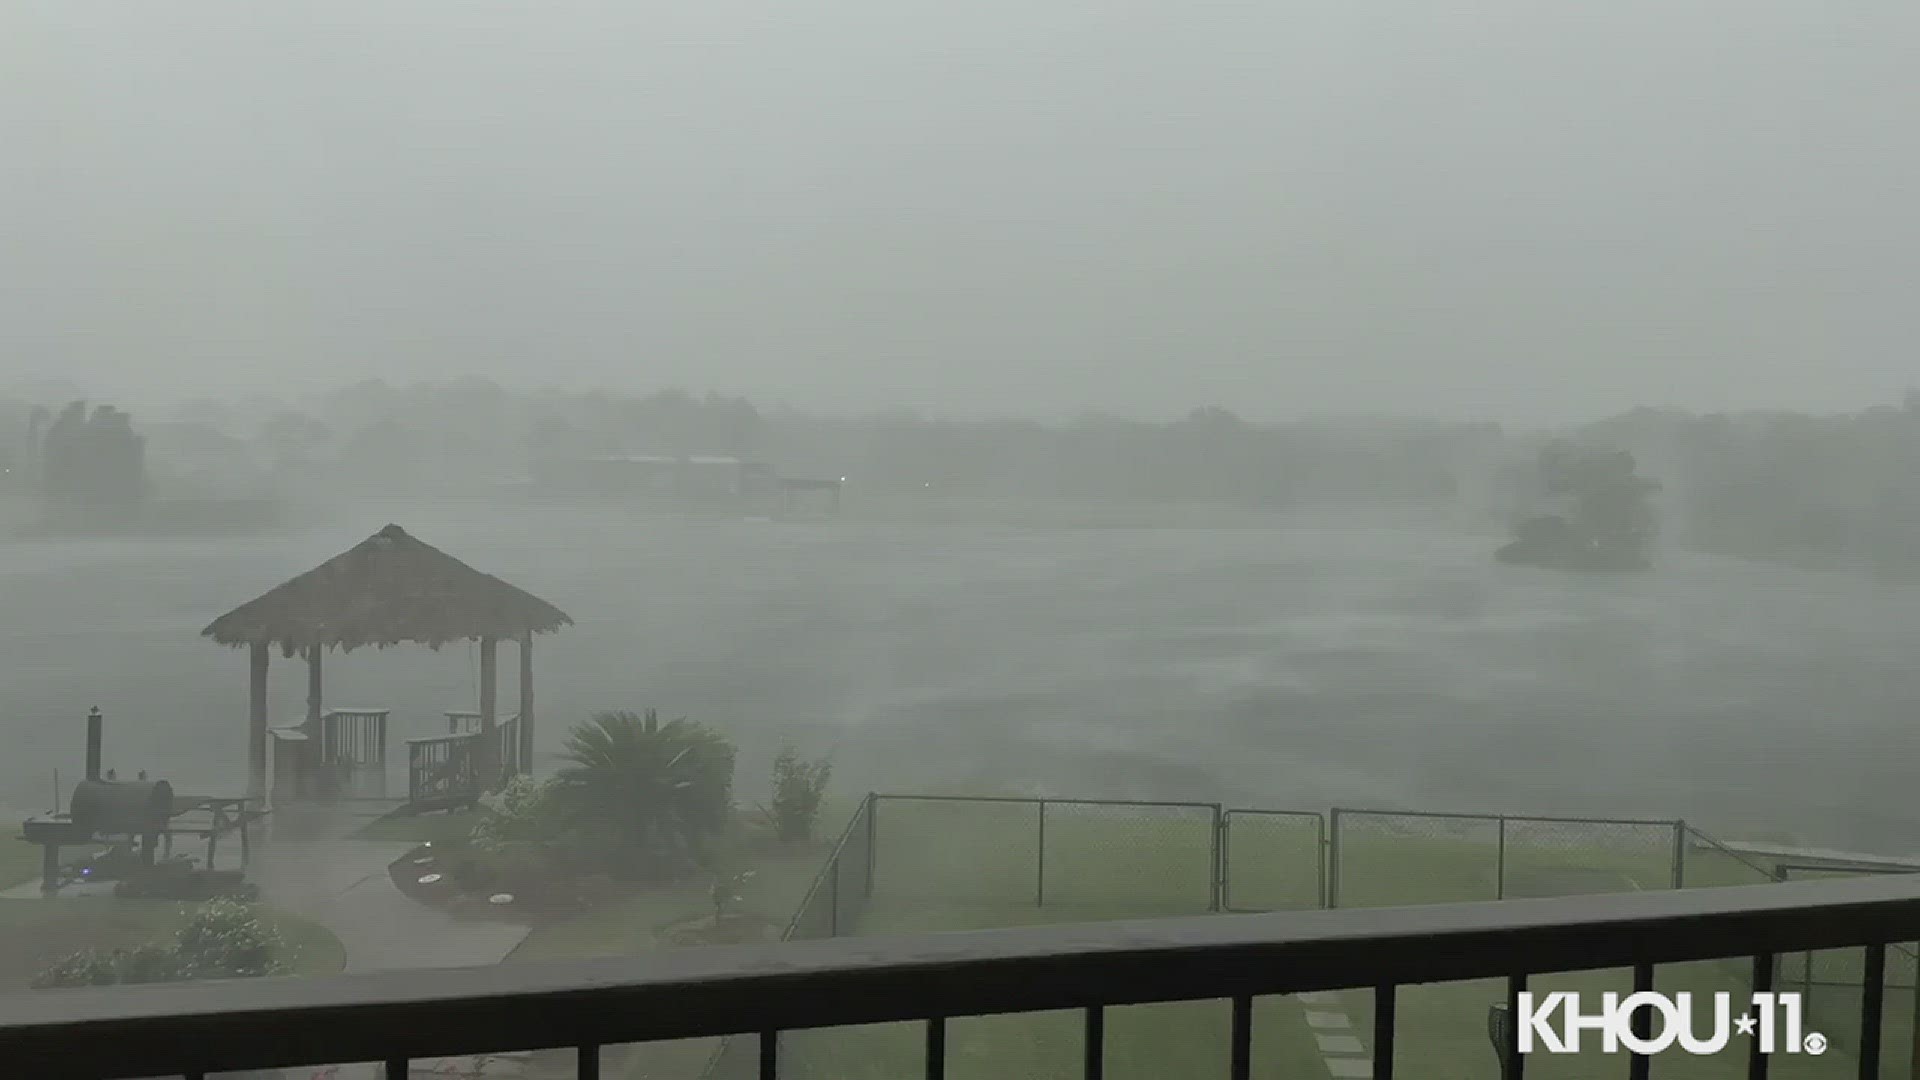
489 765
257 720
313 750
526 702
313 691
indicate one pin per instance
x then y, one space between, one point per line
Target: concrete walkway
343 885
307 867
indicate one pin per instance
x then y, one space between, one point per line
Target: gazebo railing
444 770
507 749
357 736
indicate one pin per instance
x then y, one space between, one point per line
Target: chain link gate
1273 860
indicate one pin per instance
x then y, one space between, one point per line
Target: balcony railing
198 1029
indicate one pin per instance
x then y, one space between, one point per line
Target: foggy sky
1495 208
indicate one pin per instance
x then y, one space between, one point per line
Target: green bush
525 868
523 809
226 940
221 940
111 967
798 788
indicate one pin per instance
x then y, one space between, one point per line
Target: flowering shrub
523 809
226 940
222 940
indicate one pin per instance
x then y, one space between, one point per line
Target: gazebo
390 589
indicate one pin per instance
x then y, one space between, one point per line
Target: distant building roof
189 435
669 459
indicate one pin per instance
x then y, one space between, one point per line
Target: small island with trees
1598 513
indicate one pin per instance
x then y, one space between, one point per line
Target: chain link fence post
1226 860
1217 868
1040 860
1333 858
833 897
1679 853
872 808
1320 860
1500 860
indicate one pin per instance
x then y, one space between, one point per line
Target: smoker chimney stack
93 743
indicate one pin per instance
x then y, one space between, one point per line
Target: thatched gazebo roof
389 589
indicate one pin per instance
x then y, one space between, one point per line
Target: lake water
1304 661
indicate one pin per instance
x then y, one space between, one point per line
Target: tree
93 460
659 792
798 788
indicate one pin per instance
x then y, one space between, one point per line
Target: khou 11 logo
1675 1023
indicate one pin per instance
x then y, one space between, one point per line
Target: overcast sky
1509 209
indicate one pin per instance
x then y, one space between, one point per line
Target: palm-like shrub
659 794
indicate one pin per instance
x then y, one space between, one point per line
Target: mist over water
1299 660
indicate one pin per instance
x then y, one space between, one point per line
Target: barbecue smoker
132 813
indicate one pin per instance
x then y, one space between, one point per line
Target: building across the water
655 476
696 479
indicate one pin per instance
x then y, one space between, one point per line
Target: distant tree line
469 432
1208 457
1841 488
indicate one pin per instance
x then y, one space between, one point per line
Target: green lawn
941 865
19 861
636 923
35 933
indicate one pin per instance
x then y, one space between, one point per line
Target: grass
19 861
632 924
35 933
953 865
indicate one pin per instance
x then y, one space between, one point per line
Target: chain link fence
1385 858
958 861
961 860
1107 860
833 906
1706 863
936 862
1832 982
